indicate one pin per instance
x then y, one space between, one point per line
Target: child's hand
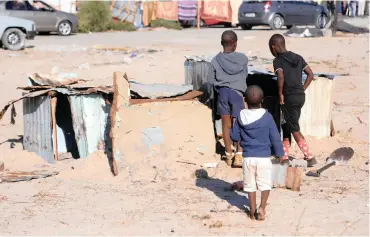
281 99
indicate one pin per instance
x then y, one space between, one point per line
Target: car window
16 6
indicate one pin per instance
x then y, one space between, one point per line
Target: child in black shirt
288 66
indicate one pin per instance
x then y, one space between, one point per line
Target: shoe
228 158
238 160
311 162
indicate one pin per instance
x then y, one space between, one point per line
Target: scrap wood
121 98
188 96
25 176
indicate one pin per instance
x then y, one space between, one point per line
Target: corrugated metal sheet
316 114
38 127
317 111
89 115
154 91
129 11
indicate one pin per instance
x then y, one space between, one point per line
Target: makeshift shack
317 111
68 116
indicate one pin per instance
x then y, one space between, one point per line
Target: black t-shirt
292 66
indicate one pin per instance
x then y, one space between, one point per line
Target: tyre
64 28
228 25
277 22
13 39
289 27
321 21
246 27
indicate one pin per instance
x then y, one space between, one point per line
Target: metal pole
198 15
334 26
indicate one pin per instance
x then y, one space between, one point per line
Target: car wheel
228 25
289 27
64 28
13 39
246 27
277 22
321 21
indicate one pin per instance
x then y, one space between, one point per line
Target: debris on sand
25 176
217 224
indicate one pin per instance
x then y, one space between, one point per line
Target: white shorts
257 173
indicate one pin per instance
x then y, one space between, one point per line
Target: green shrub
94 16
166 24
120 26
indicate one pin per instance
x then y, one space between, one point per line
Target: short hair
277 39
228 38
254 95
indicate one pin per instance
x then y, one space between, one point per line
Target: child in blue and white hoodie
259 137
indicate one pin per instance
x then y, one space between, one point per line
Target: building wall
63 5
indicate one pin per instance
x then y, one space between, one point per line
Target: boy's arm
277 145
235 132
309 74
278 69
280 75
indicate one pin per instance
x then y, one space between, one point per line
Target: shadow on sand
222 190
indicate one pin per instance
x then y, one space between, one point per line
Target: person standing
289 66
228 76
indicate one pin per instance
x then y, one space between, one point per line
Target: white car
14 32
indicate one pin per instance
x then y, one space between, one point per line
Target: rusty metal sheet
90 116
51 80
25 176
37 122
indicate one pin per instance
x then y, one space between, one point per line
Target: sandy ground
164 197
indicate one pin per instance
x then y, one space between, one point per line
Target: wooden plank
54 100
289 180
121 99
298 173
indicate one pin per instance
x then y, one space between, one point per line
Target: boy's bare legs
226 126
262 208
252 204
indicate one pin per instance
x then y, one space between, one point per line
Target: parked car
47 18
277 14
14 32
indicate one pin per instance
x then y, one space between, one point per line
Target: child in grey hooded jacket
228 75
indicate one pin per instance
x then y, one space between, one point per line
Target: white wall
63 5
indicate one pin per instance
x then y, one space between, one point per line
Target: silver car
47 18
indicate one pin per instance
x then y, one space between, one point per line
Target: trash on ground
304 33
210 165
25 176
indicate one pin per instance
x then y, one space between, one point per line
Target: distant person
259 137
289 66
228 76
353 8
19 5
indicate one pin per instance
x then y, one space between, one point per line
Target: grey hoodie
229 70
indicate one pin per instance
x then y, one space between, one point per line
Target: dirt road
84 199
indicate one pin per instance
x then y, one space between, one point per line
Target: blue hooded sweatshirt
258 135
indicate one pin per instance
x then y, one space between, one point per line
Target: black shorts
292 112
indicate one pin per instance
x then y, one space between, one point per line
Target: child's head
229 41
277 44
254 97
